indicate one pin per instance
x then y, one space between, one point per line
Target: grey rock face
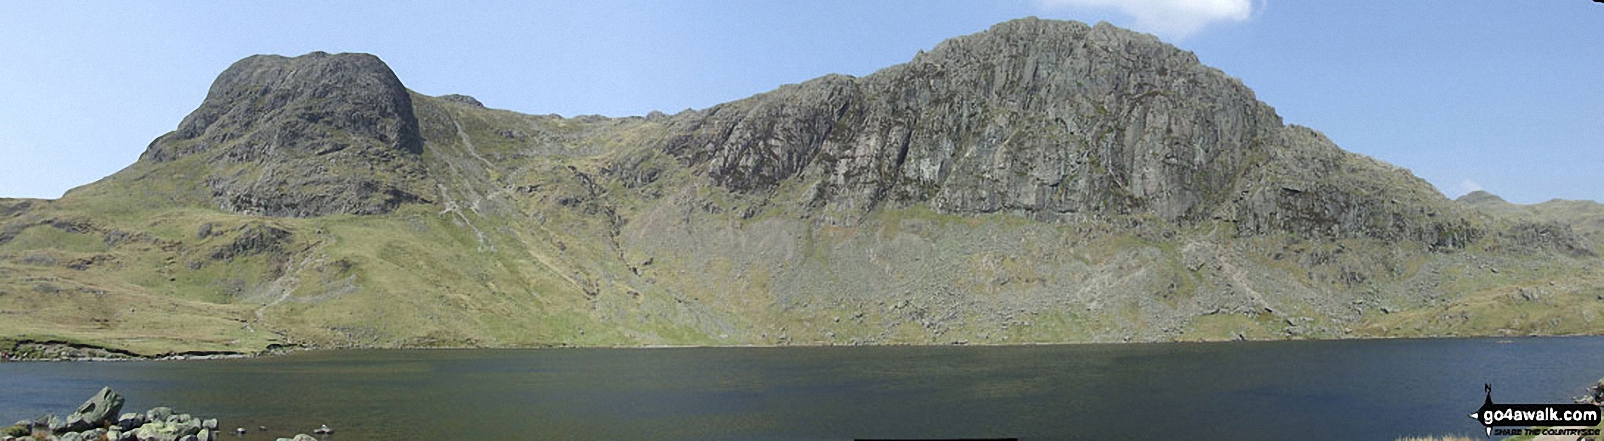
97 411
1305 185
317 92
755 143
305 136
1059 121
1046 117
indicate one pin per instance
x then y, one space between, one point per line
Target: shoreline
9 357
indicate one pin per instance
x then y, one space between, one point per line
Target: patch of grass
50 237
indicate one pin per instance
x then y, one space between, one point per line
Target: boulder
158 414
55 423
97 411
189 438
129 421
303 437
186 426
95 434
158 431
209 424
70 436
204 435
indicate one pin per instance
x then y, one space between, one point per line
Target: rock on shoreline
1594 394
99 419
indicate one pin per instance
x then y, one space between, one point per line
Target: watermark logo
1529 415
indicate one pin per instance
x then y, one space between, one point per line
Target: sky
1501 95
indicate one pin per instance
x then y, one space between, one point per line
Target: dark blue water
1260 390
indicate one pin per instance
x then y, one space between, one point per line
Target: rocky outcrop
1307 186
254 238
1058 121
305 136
1549 235
1053 119
97 419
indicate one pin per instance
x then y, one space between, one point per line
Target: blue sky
1502 95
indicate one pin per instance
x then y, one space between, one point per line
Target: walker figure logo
1506 415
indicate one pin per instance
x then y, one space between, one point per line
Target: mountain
1042 181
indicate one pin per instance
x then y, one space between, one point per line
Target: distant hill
1042 181
1585 218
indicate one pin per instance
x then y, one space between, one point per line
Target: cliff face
1052 119
1041 181
306 136
1059 121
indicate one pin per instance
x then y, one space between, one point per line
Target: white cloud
1169 18
1467 186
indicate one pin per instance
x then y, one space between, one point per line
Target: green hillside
1040 182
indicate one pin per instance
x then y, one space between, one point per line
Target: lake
1375 389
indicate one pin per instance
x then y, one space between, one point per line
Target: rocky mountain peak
303 136
1054 119
313 103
